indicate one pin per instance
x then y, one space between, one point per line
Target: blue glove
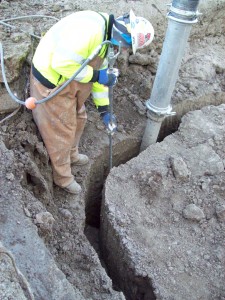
110 126
107 79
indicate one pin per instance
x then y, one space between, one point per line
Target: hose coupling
157 113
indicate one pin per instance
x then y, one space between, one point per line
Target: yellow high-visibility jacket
68 44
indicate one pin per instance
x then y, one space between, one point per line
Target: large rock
16 49
162 223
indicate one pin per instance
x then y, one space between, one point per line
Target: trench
134 286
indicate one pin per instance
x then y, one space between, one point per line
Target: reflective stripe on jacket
67 45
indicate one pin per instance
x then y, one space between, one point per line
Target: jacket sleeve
100 94
67 44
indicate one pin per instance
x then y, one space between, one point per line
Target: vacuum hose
31 102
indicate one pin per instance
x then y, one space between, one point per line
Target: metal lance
111 60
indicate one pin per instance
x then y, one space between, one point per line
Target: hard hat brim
135 31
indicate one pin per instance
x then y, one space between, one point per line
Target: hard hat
130 30
142 32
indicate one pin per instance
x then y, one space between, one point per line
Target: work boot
73 188
80 160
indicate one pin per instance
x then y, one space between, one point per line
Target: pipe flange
182 20
185 13
158 111
182 15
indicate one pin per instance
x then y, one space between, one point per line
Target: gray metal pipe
181 16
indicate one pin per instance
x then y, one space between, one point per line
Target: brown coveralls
61 121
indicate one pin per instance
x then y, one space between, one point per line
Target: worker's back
67 44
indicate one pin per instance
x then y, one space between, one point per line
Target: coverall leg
61 122
81 121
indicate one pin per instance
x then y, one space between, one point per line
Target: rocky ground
162 229
163 215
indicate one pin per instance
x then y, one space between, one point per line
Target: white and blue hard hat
131 31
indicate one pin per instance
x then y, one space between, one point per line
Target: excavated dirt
54 236
163 215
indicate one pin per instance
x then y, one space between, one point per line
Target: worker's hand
106 78
109 122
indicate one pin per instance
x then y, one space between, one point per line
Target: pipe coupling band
183 16
158 111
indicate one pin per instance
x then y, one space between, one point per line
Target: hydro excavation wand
112 73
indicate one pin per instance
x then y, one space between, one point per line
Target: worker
60 53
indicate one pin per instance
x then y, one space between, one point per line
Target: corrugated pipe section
182 14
